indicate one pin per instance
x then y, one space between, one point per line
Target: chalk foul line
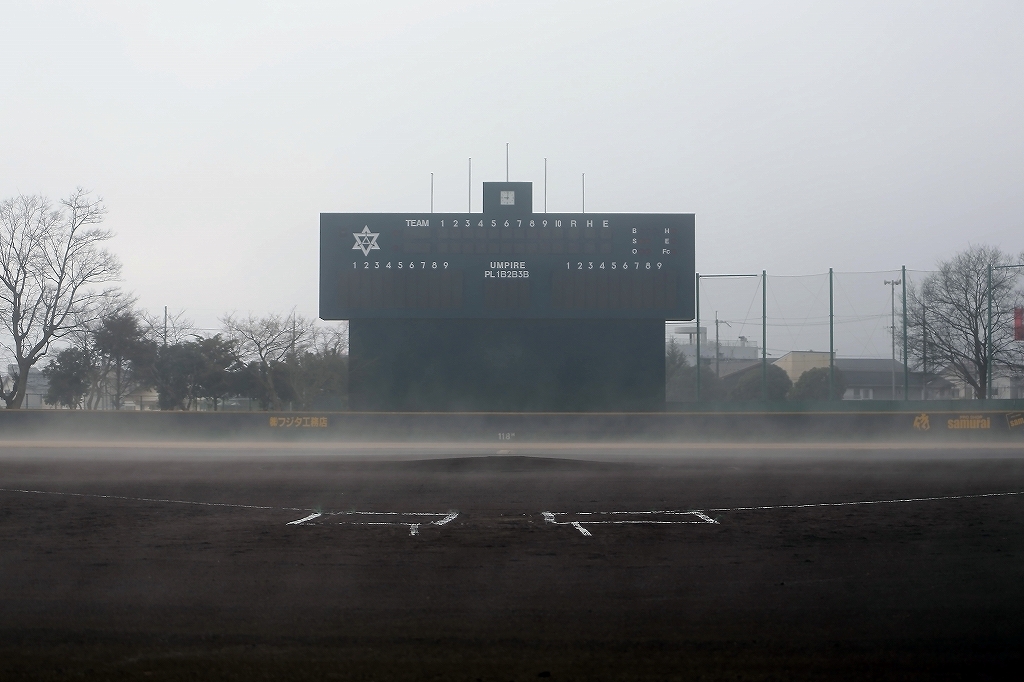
150 499
866 502
647 517
442 517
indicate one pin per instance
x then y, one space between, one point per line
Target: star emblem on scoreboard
366 241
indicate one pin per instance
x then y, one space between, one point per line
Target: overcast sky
858 135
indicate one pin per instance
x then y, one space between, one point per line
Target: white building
684 335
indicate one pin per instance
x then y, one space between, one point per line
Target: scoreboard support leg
507 365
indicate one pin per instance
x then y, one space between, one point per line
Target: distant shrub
813 385
749 385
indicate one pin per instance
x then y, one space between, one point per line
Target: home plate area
579 520
412 520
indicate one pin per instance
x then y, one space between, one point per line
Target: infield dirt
114 588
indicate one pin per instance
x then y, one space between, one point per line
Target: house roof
863 372
877 372
728 367
869 365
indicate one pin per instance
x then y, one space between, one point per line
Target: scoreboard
503 265
506 309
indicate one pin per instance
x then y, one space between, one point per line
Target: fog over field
803 135
490 490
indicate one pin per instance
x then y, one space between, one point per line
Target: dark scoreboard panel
474 265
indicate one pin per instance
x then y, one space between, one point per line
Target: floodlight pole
545 184
469 203
831 338
891 283
431 192
697 310
764 335
924 351
584 193
506 162
906 360
988 340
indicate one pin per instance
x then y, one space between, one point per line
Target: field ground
122 576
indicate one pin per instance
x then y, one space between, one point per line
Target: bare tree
52 258
947 316
264 345
329 339
321 371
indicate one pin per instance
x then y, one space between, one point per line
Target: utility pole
892 284
764 335
293 335
697 321
718 347
906 360
696 286
831 337
165 326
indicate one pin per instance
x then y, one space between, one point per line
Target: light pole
892 284
924 350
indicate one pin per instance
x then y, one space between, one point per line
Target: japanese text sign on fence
299 422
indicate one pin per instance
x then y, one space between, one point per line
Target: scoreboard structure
506 309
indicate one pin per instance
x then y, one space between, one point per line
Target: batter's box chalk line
626 518
412 520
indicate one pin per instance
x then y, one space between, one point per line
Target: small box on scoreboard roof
506 263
